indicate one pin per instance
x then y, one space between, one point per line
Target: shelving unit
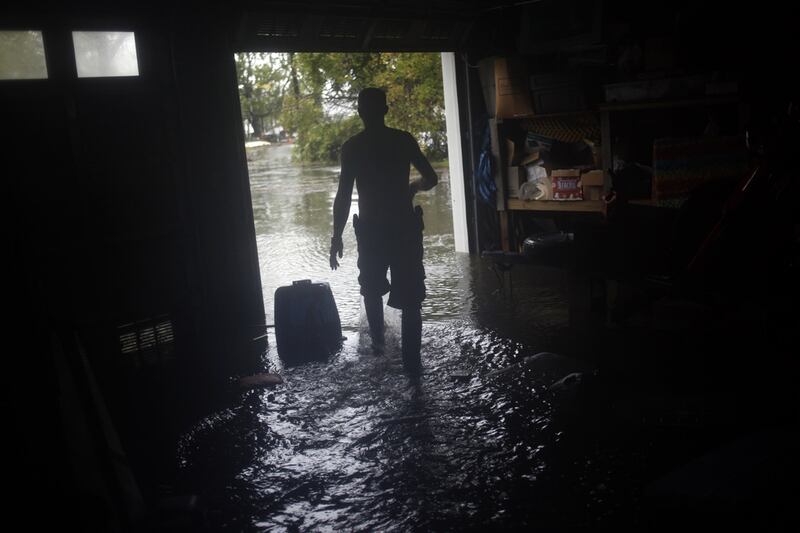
506 206
613 120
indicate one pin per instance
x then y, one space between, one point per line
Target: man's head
372 105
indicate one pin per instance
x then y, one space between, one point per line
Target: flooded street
353 443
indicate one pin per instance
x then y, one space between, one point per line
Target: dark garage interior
134 296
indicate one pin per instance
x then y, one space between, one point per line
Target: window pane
105 53
22 56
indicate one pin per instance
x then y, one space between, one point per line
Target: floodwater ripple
352 443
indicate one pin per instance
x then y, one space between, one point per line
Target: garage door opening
297 110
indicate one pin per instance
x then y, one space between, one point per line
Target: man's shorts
395 248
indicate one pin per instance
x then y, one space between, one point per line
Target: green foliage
262 84
320 90
413 85
324 141
300 114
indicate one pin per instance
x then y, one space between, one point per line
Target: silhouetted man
388 228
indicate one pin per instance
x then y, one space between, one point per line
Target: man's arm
428 177
341 208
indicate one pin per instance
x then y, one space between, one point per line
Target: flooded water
353 443
293 205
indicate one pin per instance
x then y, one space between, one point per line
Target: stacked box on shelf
592 183
512 95
566 184
680 165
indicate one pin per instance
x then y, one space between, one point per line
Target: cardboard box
684 163
516 177
512 94
487 76
593 178
593 183
566 184
591 192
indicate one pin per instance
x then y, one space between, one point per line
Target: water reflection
353 443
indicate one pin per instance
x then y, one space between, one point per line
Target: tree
262 85
321 108
314 95
413 84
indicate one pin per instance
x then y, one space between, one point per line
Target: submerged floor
491 437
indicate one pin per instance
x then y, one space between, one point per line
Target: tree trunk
255 121
293 74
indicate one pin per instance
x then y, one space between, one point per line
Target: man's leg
411 331
374 306
372 267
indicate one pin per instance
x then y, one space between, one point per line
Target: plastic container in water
307 325
543 242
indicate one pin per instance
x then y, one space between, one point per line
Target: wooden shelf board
667 104
575 206
563 114
644 201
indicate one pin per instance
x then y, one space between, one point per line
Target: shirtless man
388 228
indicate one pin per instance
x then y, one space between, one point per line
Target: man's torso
381 160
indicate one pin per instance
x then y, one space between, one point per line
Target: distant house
276 134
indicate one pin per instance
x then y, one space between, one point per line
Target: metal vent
164 332
129 342
147 338
341 28
147 341
391 29
278 25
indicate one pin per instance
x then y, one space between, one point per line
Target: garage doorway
297 109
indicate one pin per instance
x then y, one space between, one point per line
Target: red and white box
567 184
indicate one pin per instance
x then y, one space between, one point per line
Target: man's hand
337 247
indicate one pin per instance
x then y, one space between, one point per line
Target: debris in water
460 374
526 362
260 380
568 382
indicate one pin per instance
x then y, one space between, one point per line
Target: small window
22 56
102 54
